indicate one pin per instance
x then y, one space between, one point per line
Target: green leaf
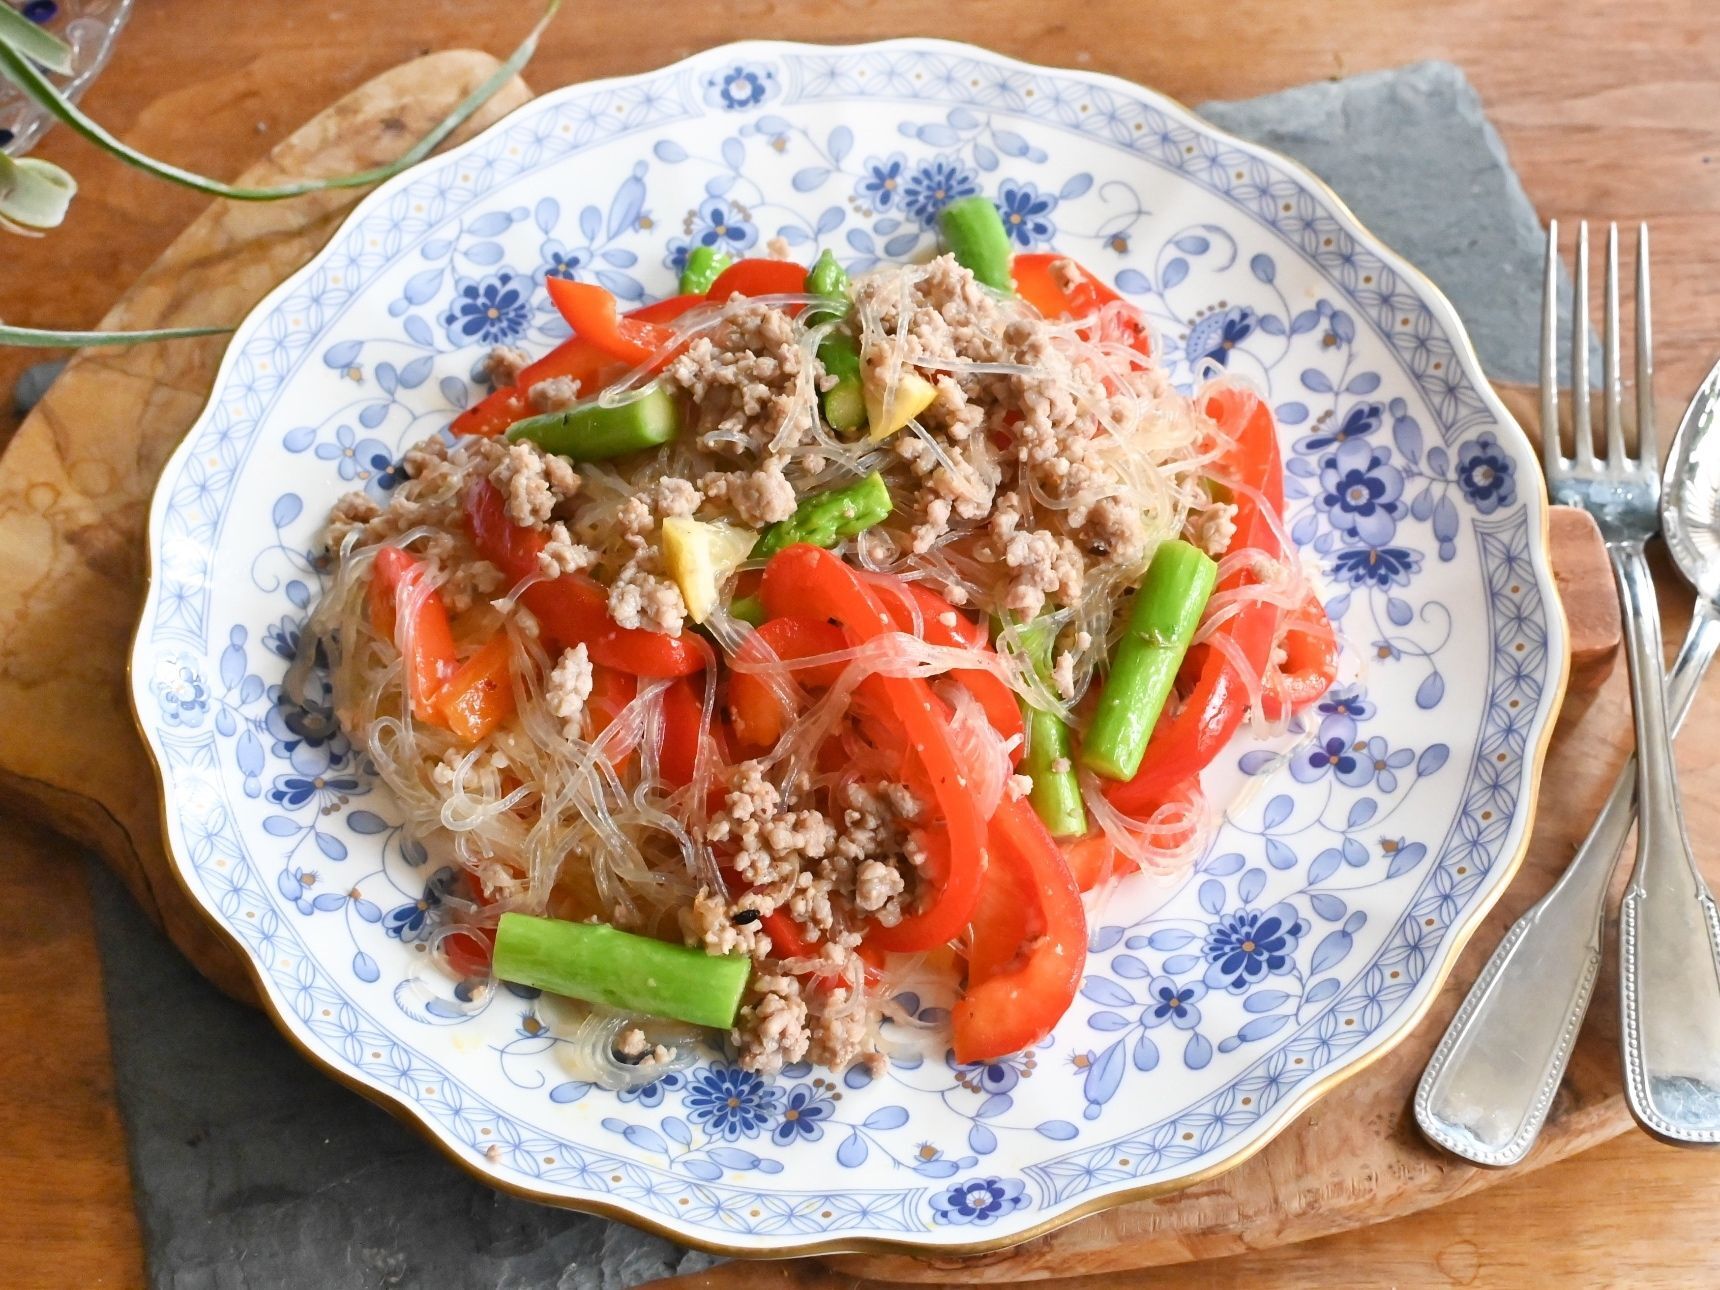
34 42
36 338
41 91
34 193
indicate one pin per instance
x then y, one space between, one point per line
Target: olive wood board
75 487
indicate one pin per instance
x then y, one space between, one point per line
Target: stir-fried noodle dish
758 648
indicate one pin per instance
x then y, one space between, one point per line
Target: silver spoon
1489 1085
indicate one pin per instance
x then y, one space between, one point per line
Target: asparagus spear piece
826 518
602 964
596 431
977 238
1167 609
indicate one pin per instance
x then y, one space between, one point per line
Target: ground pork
556 394
828 870
874 856
1040 561
771 1029
1112 525
716 926
503 365
642 597
676 496
757 497
634 1046
561 554
567 689
754 391
534 482
1053 428
1063 674
875 885
468 582
490 762
773 840
635 520
428 495
1214 528
840 1024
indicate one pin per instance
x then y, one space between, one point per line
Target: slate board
252 1169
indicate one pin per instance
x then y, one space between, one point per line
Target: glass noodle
584 825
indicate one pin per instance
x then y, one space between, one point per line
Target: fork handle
1669 928
1488 1087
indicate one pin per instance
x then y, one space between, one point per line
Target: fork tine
1583 443
1610 358
1552 456
1648 444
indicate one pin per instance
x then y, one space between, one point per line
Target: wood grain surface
1619 120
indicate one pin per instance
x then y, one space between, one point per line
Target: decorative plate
1351 865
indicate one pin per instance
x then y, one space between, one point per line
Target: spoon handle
1669 928
1487 1089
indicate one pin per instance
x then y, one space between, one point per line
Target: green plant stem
37 338
45 94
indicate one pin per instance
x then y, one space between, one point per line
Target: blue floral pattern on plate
1356 853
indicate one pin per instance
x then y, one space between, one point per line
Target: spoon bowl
1690 497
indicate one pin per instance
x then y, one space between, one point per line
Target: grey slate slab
1412 153
254 1170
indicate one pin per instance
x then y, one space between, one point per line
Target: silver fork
1487 1089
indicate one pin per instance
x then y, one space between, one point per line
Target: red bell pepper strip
611 691
1185 744
480 696
1019 1005
418 624
572 608
595 316
1006 918
759 718
667 309
1310 661
1090 859
683 720
512 548
495 412
469 950
759 277
1036 284
787 942
811 581
942 625
576 358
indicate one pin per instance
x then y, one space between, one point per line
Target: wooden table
1608 113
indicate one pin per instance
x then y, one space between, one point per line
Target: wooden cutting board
75 486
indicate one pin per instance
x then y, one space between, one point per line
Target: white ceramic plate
1331 904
